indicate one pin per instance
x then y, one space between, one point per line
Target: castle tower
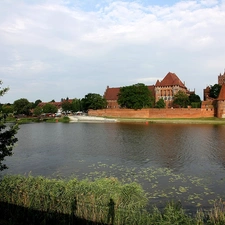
221 103
221 78
168 87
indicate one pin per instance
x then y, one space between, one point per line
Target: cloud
115 43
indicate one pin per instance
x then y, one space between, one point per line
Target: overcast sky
53 49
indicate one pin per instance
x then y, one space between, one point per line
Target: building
221 102
206 91
221 78
168 87
165 89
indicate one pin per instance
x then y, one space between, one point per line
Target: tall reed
104 201
85 199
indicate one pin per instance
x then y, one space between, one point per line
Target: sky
53 49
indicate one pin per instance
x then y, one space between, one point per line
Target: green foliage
66 106
65 119
214 91
7 108
37 111
95 201
49 108
181 99
37 102
160 103
22 106
86 199
93 101
7 136
77 105
195 104
136 96
195 101
194 98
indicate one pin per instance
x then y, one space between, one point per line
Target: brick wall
154 113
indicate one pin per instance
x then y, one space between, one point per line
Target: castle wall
221 109
155 113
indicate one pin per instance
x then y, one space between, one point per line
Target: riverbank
73 118
213 120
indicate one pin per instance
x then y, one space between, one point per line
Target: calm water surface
170 161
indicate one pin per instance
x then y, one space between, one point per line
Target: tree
136 96
195 100
214 91
76 105
7 108
160 103
93 101
66 106
37 111
7 135
22 106
49 108
36 103
181 99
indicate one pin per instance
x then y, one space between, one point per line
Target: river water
184 162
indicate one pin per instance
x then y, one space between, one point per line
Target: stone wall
155 113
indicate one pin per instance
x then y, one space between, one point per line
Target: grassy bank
25 120
212 120
39 200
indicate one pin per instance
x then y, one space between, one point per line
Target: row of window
169 98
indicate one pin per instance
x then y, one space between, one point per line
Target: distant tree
52 100
7 135
181 99
37 111
49 108
160 103
7 108
36 103
93 101
66 106
195 100
22 106
214 91
76 105
136 96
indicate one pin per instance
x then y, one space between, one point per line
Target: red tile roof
222 93
170 79
111 93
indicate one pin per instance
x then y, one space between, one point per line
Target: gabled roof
170 79
111 93
222 93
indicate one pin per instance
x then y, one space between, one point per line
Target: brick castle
166 89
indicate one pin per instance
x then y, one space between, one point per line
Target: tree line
135 96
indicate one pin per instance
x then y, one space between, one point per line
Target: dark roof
222 93
171 79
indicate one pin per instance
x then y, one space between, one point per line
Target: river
184 162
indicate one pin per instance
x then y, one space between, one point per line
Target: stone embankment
90 119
